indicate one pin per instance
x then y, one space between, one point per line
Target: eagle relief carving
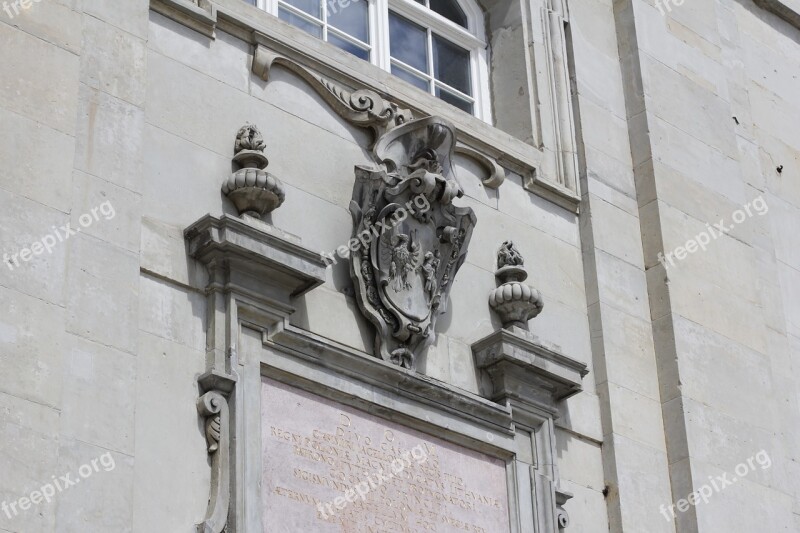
403 278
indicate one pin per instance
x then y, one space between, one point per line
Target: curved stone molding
497 174
363 107
213 406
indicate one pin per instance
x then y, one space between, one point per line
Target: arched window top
449 9
437 46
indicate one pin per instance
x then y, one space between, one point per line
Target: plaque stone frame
256 273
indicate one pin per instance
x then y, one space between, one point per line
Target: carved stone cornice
521 369
255 256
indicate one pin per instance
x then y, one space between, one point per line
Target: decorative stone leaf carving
412 238
213 406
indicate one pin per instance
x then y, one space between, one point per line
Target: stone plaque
332 468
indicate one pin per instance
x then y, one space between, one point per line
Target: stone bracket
522 369
213 407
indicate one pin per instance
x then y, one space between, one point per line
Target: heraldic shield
412 238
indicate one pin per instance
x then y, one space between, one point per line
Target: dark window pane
452 99
450 9
347 46
451 65
407 42
410 78
303 24
309 6
352 18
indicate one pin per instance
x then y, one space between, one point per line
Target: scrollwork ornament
213 407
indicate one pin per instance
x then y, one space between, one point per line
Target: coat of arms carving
413 238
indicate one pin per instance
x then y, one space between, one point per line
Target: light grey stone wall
712 121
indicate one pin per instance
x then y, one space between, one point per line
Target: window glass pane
352 18
413 79
303 24
312 7
407 42
450 9
451 65
347 46
452 99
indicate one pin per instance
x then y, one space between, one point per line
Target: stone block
99 396
113 61
132 16
109 139
37 161
28 459
225 58
106 211
168 428
102 294
101 500
34 247
39 80
173 313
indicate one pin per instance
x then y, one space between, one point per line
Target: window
437 46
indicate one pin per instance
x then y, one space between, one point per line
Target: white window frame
472 39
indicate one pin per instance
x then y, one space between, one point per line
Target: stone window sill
258 27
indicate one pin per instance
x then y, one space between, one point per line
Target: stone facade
159 277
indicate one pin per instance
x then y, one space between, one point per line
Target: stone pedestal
531 379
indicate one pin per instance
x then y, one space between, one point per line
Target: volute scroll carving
213 407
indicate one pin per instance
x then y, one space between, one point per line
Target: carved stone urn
253 190
514 301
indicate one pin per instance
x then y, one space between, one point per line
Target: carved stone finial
252 189
513 301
